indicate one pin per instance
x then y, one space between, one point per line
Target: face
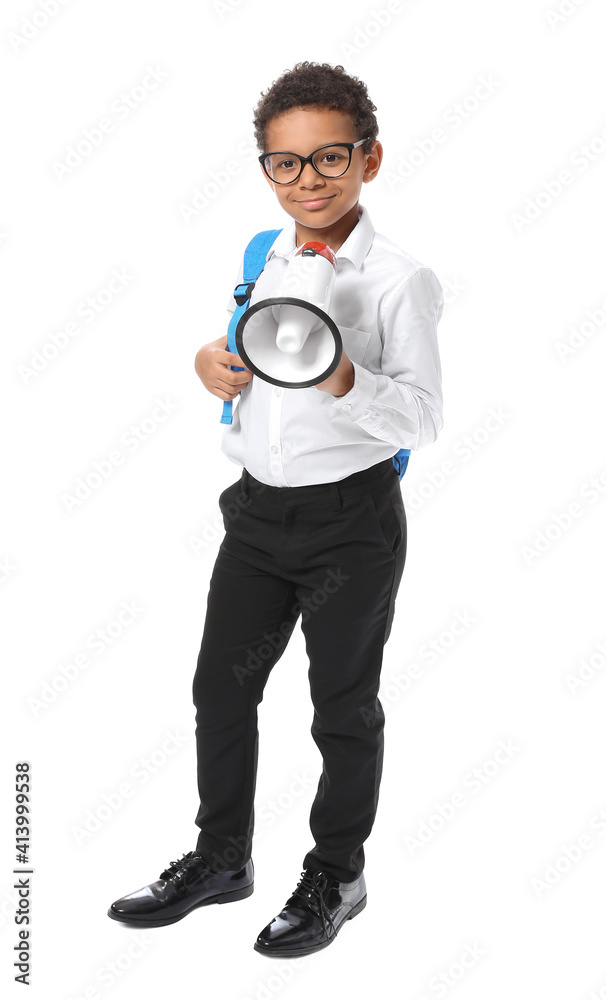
317 202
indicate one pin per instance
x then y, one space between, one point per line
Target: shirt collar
355 248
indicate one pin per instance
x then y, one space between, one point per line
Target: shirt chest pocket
355 343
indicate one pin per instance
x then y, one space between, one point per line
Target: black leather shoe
184 885
312 916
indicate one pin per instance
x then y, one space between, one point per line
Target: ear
373 162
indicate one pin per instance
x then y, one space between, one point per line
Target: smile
315 202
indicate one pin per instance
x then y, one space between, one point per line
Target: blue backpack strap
254 261
400 461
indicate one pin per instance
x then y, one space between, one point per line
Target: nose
310 177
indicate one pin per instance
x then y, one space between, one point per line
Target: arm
213 360
404 404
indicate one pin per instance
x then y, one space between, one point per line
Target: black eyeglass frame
350 146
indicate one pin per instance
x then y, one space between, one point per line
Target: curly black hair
320 85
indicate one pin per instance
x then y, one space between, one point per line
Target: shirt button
347 406
277 392
274 448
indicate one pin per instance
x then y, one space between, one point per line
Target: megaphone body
290 339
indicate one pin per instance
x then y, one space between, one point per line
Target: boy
315 526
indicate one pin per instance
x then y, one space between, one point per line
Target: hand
341 380
211 367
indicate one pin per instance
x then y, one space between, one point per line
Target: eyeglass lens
331 161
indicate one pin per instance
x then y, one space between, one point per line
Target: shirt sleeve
403 405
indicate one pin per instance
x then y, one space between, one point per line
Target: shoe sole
224 897
300 952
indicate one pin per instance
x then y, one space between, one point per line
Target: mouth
312 203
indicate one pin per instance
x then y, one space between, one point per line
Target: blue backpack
254 261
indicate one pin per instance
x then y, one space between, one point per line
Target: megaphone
290 339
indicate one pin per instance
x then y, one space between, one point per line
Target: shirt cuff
362 393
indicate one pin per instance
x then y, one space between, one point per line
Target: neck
333 236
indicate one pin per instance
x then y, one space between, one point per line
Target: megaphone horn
289 339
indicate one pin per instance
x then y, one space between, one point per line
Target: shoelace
312 887
177 870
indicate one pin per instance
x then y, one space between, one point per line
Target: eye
286 164
331 158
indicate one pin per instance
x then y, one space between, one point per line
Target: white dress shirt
387 307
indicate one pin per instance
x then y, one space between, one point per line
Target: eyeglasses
332 160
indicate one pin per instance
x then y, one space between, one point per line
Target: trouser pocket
387 509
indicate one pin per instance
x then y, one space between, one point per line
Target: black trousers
332 555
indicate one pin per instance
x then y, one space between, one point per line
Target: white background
495 877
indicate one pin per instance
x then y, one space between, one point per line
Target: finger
231 376
224 395
237 379
229 358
